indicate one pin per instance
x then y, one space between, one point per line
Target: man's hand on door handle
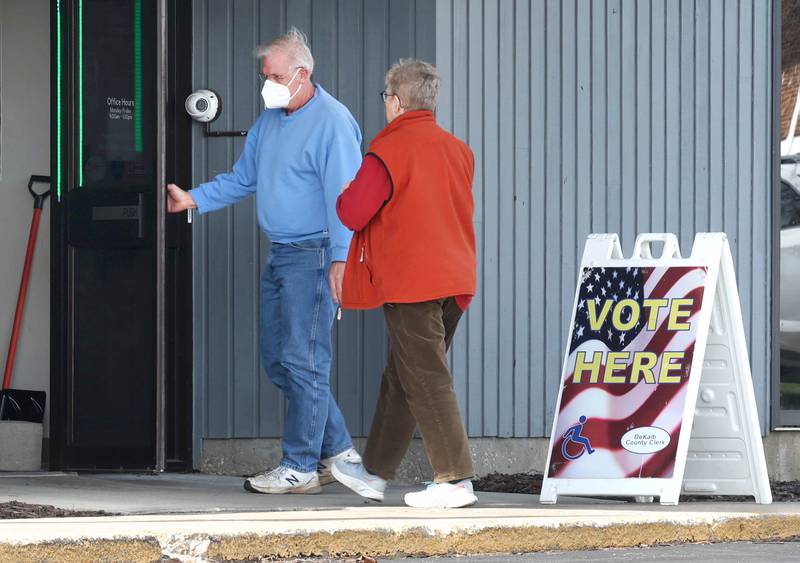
179 200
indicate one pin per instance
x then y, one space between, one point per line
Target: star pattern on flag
608 284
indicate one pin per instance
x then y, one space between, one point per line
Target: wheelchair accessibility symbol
573 436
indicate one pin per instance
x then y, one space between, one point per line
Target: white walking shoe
356 478
443 495
324 465
283 480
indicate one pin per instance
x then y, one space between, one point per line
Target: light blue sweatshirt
296 165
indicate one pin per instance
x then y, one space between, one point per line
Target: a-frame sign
656 393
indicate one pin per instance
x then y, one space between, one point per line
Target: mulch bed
531 484
14 510
524 483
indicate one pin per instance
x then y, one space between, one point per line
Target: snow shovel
19 404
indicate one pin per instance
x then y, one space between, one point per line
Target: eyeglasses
385 95
276 77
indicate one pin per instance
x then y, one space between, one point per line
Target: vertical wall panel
702 101
474 115
245 273
635 116
744 157
451 59
613 113
658 119
688 109
550 302
628 115
505 236
353 44
642 68
760 209
538 53
220 261
490 248
672 117
716 176
521 309
598 118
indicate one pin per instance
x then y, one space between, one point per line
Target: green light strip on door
58 99
137 75
80 93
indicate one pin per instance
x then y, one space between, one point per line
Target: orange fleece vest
421 245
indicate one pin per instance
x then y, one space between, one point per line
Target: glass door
105 243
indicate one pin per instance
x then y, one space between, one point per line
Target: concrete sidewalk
207 517
174 493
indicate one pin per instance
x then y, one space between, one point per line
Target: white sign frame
720 462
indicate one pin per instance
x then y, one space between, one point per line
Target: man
414 254
298 154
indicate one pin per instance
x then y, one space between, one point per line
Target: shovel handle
26 274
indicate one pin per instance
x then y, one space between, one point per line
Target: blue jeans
296 319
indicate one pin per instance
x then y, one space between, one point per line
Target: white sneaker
443 495
283 480
356 478
324 465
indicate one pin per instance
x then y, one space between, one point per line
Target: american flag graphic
612 409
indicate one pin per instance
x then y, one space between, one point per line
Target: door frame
179 274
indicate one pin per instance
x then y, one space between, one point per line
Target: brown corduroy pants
417 390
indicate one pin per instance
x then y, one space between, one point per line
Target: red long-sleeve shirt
368 193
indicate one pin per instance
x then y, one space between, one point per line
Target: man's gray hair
295 44
415 82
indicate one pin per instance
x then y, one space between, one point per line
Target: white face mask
277 95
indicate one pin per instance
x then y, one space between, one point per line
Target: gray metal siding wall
353 44
599 116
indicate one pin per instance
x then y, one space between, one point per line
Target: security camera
203 105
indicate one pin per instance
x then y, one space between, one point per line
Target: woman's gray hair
295 44
415 82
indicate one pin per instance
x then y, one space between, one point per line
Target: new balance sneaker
356 478
443 495
283 480
324 465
